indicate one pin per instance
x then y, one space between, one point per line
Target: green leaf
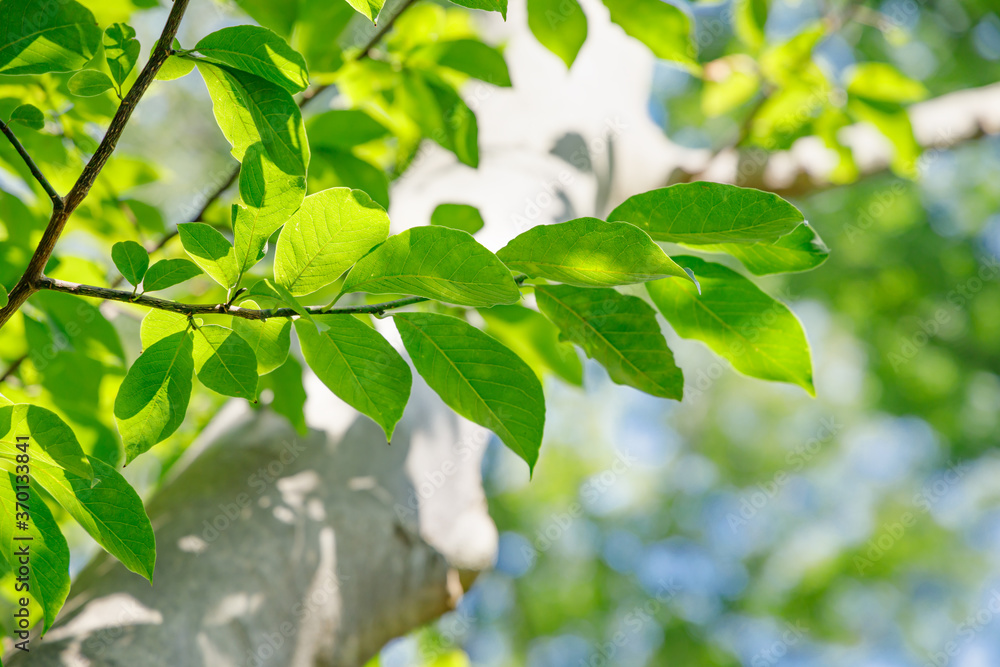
121 50
558 25
332 168
167 273
89 332
59 37
590 253
702 213
250 109
441 114
438 263
535 339
158 324
271 197
367 8
272 295
881 82
268 339
48 579
3 297
29 116
289 398
258 51
756 333
893 121
279 16
458 216
329 233
360 366
89 83
154 395
749 20
211 251
478 378
485 5
131 260
664 28
469 56
801 250
174 67
343 128
224 362
619 331
52 441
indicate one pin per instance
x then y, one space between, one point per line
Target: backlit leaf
89 83
357 364
661 26
478 378
258 51
756 333
131 260
167 273
619 331
224 362
269 339
590 253
559 25
211 251
121 50
438 263
800 250
62 38
458 216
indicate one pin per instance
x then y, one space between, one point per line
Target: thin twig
124 296
57 201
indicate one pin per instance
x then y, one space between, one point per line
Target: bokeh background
749 524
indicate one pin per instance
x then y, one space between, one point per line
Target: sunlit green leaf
224 362
167 273
269 339
478 378
158 324
211 251
250 109
469 56
330 232
619 331
359 366
52 441
590 253
367 8
486 5
756 333
700 213
154 395
121 50
89 83
438 263
131 260
458 216
56 37
559 25
800 250
174 67
258 51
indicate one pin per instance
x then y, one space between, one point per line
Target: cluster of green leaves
486 328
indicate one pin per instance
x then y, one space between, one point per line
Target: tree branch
57 201
124 296
27 284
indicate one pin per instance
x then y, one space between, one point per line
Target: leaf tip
693 279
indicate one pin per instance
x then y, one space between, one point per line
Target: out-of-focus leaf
486 5
332 168
343 128
663 27
29 116
469 56
535 339
458 216
558 25
285 382
881 82
441 114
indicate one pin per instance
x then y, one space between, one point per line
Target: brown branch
57 201
27 284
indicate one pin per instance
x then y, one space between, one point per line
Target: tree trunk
277 550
